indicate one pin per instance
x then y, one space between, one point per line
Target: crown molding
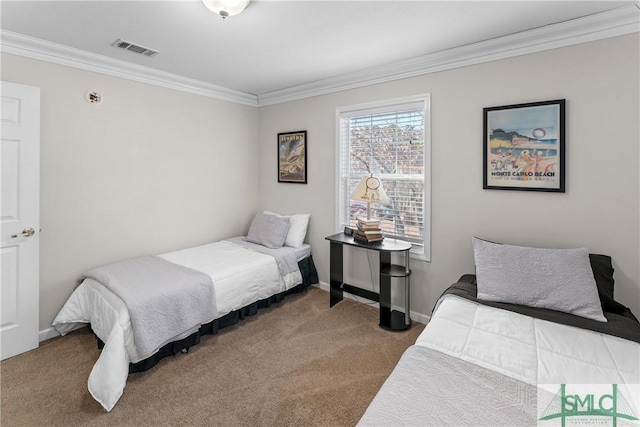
604 25
42 50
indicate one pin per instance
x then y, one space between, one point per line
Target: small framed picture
524 147
292 157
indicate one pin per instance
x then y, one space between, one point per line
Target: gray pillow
268 230
557 279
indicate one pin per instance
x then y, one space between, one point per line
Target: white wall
152 170
149 170
600 209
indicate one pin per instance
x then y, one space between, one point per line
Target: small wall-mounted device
348 231
93 97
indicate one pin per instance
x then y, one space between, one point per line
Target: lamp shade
369 190
226 8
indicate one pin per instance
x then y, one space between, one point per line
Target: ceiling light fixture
226 8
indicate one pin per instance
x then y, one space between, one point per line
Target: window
391 141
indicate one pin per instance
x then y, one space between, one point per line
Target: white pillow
557 279
297 229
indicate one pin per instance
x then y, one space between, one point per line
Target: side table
389 319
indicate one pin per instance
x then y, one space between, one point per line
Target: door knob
27 232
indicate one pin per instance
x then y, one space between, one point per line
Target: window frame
388 105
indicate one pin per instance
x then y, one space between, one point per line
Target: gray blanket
285 256
429 388
164 299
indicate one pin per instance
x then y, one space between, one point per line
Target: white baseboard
47 334
415 316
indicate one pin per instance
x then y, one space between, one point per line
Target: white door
20 218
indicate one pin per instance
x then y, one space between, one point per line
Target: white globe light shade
226 8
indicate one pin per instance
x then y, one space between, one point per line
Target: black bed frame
309 277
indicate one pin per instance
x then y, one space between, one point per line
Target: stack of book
368 230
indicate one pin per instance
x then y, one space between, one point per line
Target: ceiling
278 45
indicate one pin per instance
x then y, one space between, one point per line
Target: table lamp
369 189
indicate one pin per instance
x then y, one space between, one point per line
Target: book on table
368 230
368 236
367 239
365 227
369 221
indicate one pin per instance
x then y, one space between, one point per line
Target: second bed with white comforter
240 275
478 365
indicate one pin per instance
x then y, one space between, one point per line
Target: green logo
612 405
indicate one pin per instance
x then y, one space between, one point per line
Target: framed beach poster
292 157
524 147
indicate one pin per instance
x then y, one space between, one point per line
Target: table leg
385 291
335 273
407 289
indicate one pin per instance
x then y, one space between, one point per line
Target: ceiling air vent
135 48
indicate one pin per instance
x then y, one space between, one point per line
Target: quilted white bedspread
241 276
532 351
